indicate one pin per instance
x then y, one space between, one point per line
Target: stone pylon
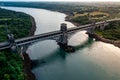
64 37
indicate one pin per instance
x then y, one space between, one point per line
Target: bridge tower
11 40
12 43
63 38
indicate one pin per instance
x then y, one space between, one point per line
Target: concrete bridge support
90 31
63 40
13 48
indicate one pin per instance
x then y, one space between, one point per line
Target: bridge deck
27 40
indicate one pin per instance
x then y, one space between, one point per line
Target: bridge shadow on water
59 54
86 44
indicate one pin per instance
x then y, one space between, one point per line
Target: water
93 60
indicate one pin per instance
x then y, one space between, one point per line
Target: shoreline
27 61
33 28
98 38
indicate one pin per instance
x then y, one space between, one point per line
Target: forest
19 24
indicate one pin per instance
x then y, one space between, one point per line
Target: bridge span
61 36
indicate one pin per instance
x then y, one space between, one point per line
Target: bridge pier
91 30
63 40
13 48
23 50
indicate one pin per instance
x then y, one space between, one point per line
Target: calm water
93 60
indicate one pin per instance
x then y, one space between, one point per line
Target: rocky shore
27 67
27 61
98 38
33 28
66 47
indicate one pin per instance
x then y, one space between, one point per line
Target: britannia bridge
61 36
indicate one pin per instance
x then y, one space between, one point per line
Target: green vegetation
11 65
18 23
81 19
111 32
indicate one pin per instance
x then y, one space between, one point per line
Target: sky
70 0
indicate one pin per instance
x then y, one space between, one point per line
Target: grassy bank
11 65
